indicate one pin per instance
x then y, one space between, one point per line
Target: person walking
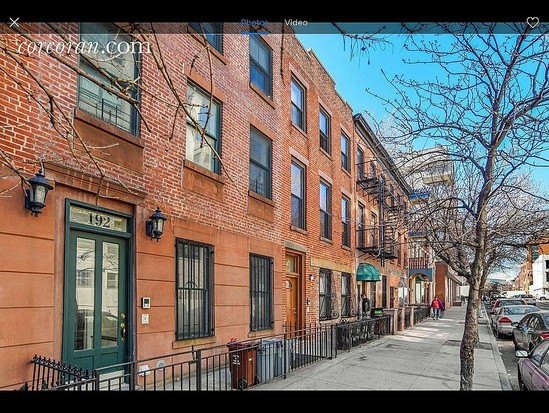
435 305
441 307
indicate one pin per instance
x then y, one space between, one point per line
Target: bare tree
486 108
59 45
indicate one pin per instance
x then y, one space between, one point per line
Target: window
298 195
537 354
345 295
325 294
384 291
261 64
360 226
261 292
213 33
298 104
260 163
360 164
194 290
325 210
373 233
398 250
121 67
345 222
325 130
197 150
345 162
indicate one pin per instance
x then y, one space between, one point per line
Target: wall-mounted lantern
35 197
155 225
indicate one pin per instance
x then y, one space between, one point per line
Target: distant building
428 172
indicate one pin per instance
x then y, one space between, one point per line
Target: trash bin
242 364
376 312
270 359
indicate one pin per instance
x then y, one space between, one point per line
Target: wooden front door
293 291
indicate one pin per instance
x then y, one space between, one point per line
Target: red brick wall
158 179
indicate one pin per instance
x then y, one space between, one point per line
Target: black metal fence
421 313
49 373
234 366
353 333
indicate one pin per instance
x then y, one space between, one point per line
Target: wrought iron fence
421 313
351 334
49 373
235 366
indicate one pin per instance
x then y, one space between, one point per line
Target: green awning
367 272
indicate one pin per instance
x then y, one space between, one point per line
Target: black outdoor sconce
155 225
35 197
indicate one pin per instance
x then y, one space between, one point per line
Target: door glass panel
291 265
85 281
109 299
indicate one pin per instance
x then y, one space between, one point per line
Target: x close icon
14 22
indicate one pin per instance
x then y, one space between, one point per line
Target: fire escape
378 238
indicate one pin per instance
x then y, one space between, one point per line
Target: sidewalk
424 357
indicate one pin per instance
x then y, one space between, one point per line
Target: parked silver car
504 316
528 298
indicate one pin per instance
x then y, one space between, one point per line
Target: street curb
504 380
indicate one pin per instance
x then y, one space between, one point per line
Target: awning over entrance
367 272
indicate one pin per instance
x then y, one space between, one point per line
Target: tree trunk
470 338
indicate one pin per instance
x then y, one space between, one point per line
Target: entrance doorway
96 327
294 277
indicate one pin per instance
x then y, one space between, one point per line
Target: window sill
261 333
301 131
193 342
327 240
327 154
262 95
218 55
300 230
345 247
260 198
203 171
107 127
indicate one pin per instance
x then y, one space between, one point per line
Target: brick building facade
265 237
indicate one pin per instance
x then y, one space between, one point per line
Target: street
507 351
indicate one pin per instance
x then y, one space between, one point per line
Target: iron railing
421 313
49 373
351 334
235 366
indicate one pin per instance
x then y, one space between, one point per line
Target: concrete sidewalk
424 357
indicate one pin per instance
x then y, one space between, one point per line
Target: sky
354 76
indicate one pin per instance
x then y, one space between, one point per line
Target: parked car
528 298
542 296
532 329
500 302
507 314
532 367
494 298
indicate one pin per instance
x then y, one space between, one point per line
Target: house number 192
100 220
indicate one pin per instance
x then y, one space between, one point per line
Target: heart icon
532 21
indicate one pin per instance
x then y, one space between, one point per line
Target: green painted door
96 326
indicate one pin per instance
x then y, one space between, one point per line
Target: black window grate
261 293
